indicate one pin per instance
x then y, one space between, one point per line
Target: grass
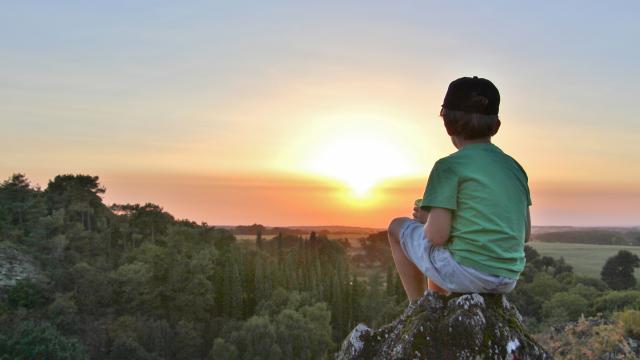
586 259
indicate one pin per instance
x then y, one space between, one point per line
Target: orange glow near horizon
284 199
272 200
359 158
290 200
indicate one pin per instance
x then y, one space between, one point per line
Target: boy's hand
420 215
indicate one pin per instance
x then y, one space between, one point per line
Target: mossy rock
470 326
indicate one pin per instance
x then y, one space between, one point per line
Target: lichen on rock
469 326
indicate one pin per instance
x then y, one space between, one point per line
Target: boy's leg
413 280
435 287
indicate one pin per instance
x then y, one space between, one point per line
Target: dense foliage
131 281
549 293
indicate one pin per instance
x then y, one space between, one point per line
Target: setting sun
359 160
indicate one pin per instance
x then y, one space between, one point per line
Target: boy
467 235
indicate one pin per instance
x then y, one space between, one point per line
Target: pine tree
263 282
279 247
259 239
313 240
232 288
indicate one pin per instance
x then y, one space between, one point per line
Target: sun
359 160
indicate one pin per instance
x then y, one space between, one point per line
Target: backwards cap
472 95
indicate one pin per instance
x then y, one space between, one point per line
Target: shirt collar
480 146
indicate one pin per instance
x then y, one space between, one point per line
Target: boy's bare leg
435 287
413 280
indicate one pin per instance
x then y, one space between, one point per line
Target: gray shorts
437 264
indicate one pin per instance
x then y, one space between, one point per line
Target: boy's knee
394 228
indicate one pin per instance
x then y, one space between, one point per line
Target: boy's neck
461 142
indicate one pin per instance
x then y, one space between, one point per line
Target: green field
586 259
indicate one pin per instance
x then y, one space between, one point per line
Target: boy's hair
469 126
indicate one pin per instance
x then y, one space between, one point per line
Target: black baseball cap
472 95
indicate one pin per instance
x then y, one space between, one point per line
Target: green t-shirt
488 193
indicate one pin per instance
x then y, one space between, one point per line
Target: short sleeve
442 188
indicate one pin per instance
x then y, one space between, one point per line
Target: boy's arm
527 229
438 226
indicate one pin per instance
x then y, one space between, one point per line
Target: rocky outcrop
469 326
15 266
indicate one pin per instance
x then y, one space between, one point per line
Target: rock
469 326
15 265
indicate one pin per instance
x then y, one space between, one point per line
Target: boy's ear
496 127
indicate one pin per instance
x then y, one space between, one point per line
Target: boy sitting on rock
468 232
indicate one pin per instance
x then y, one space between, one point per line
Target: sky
318 113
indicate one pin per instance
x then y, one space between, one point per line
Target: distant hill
550 229
587 235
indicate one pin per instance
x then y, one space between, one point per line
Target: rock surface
469 326
16 266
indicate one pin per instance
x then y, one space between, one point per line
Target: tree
564 306
92 291
27 294
617 272
561 267
232 305
256 339
530 297
530 253
222 350
15 193
79 194
547 262
34 340
20 207
259 238
63 312
148 221
376 248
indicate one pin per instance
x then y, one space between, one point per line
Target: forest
130 281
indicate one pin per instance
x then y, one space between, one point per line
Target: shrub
564 306
35 340
27 294
630 320
618 300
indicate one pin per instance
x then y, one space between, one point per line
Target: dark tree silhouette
617 272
